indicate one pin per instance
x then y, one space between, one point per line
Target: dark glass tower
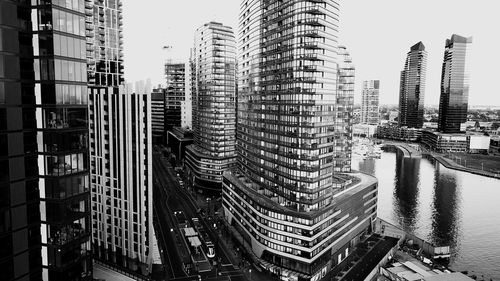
20 239
62 121
412 88
292 197
175 74
454 97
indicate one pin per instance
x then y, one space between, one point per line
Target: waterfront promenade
450 164
414 151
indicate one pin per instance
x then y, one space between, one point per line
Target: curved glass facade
213 151
344 110
291 196
287 116
454 99
412 88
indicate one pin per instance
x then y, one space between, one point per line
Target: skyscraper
370 102
121 176
120 146
20 239
104 42
412 88
175 75
213 150
187 103
62 119
158 115
297 213
46 226
344 108
454 97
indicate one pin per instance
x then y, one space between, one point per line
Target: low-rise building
394 132
364 130
495 145
416 270
462 142
177 139
441 142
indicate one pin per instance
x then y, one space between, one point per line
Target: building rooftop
418 47
182 133
409 268
455 276
356 182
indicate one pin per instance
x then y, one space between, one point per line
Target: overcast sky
377 33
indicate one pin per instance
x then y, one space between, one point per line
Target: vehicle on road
210 250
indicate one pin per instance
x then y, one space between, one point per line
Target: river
443 206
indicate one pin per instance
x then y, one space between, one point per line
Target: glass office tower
412 88
213 99
298 215
62 121
20 240
454 97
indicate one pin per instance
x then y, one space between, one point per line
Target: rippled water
441 205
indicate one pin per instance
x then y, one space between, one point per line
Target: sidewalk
450 164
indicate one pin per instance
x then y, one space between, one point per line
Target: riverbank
450 164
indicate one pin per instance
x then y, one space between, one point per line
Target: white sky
377 33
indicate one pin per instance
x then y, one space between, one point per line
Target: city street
169 198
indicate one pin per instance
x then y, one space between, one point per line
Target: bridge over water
408 150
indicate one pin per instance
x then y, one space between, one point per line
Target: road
162 223
170 197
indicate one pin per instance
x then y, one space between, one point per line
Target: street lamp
250 271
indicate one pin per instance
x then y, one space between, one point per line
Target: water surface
443 206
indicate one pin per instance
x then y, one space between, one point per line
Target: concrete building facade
370 102
121 176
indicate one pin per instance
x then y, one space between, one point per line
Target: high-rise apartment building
213 150
454 97
187 104
120 146
297 213
121 176
370 102
344 108
62 119
158 115
52 43
412 88
104 42
20 239
175 75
